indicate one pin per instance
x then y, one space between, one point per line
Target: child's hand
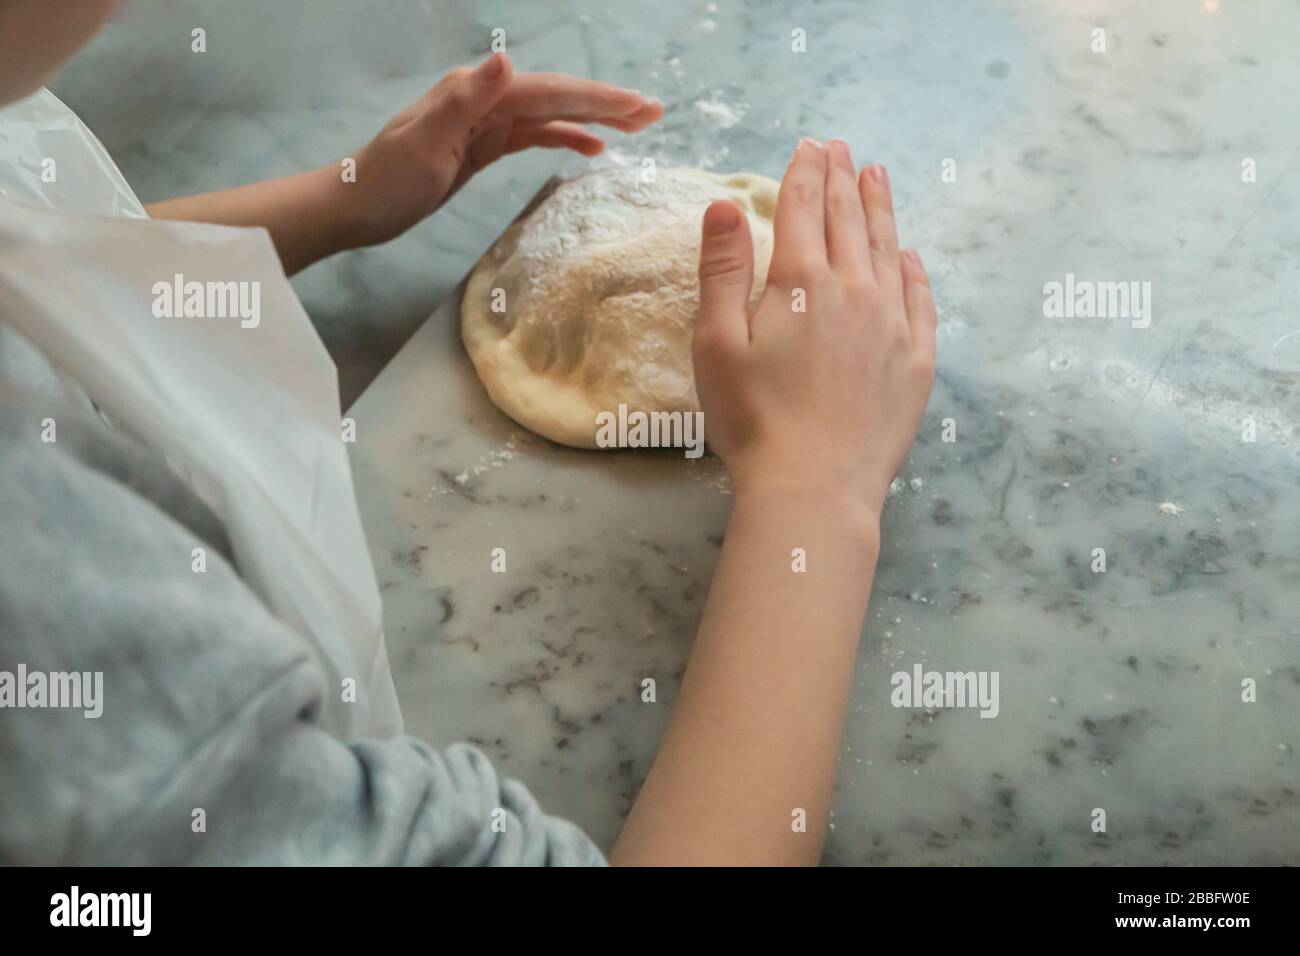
470 119
418 160
824 401
813 402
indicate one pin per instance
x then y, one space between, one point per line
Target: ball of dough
589 301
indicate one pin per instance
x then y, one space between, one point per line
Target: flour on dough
596 293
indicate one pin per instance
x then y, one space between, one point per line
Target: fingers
553 135
649 113
878 201
552 96
465 96
846 223
799 242
466 102
919 302
726 277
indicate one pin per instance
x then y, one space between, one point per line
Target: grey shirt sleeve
207 750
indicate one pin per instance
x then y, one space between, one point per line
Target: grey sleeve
208 710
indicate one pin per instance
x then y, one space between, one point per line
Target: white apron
247 414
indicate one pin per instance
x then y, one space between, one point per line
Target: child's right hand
813 409
824 401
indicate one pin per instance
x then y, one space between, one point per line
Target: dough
596 293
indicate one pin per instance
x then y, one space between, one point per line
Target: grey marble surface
1119 690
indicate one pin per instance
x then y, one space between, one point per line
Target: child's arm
814 412
428 151
303 214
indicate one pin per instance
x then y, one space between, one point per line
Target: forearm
304 213
755 733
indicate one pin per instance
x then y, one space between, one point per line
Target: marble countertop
1120 690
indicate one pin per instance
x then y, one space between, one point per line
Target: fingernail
720 219
814 143
491 67
915 258
878 174
840 151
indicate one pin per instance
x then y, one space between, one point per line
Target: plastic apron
248 415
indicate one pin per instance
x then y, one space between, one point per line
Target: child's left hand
470 119
427 152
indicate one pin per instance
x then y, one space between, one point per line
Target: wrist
843 507
341 207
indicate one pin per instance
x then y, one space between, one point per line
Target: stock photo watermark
933 690
78 909
33 690
638 429
1085 299
181 299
